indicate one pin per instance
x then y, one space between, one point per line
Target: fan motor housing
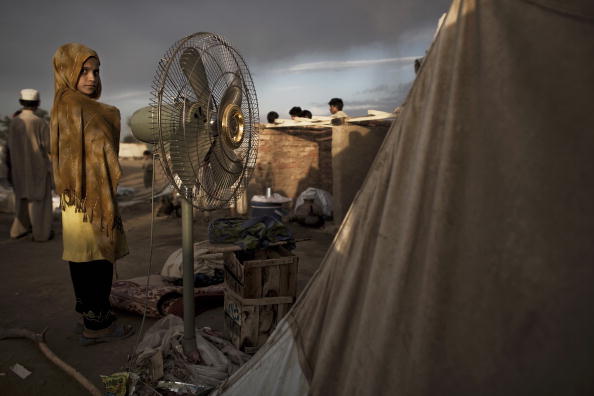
232 125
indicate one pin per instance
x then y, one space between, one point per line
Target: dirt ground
36 293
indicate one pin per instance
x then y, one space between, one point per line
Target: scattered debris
20 371
120 384
115 384
123 191
39 340
173 371
181 387
157 366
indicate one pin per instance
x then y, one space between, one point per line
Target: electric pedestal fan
203 122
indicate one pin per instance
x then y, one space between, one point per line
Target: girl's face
88 79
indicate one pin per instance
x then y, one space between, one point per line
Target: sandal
79 327
24 234
119 332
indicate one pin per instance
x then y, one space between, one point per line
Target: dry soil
36 293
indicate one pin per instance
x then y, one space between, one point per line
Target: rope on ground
39 339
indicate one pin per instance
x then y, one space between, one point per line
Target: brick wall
335 159
292 159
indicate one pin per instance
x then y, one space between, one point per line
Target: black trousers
92 285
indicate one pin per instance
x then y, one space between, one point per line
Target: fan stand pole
189 341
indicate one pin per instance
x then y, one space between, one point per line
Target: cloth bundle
258 232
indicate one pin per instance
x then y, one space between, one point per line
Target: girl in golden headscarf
85 138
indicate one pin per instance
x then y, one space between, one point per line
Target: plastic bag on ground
321 197
218 357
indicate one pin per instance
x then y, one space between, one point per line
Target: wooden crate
258 293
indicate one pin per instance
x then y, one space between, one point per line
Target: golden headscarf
68 61
85 138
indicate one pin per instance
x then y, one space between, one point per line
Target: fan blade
175 135
220 175
232 95
223 170
227 159
198 132
224 167
193 67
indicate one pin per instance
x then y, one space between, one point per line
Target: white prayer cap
29 94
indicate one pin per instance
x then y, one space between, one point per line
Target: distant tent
465 265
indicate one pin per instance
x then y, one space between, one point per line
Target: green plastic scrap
115 384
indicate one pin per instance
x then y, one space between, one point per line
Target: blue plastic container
272 209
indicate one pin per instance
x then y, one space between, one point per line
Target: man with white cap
28 148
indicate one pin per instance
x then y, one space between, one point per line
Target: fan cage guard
214 181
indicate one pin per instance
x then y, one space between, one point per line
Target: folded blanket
162 298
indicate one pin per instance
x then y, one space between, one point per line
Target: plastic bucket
271 209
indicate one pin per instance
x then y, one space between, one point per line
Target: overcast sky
300 52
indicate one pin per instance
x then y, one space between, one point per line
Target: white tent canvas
465 265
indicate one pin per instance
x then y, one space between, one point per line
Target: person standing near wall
30 170
295 112
335 108
271 117
85 136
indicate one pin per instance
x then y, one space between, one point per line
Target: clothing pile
205 262
204 280
258 232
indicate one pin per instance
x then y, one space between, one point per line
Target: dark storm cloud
387 98
131 35
379 89
349 64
